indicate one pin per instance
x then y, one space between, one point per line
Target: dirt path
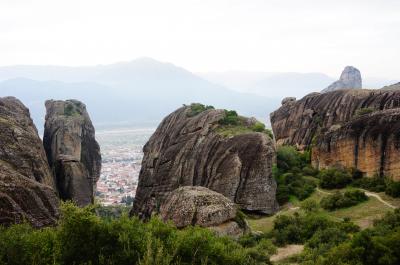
369 194
286 252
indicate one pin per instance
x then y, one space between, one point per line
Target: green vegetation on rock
363 111
197 108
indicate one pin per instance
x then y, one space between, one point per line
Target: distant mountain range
143 91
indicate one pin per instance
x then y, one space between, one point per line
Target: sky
206 35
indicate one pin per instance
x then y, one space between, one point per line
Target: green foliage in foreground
84 238
290 174
342 200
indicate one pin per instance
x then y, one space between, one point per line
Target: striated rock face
349 79
370 143
190 205
72 151
350 128
25 178
189 150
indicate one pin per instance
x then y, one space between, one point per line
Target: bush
292 167
196 108
309 206
339 200
333 178
393 188
231 118
375 184
84 238
364 111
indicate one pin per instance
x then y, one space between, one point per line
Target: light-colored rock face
349 79
187 151
370 143
340 134
72 151
26 181
200 206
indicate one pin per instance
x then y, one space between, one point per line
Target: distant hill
140 91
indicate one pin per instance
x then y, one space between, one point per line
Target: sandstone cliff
25 179
194 150
349 79
351 128
72 151
200 206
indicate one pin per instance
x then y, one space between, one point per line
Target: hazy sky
206 35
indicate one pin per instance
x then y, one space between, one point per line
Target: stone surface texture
349 128
26 182
349 79
72 150
195 205
188 151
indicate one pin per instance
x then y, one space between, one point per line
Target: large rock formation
349 79
350 128
25 179
194 150
200 206
72 151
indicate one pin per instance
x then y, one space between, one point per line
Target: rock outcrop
26 182
194 150
72 151
200 206
349 79
350 128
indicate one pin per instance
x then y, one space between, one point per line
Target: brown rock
188 150
25 179
370 143
72 151
200 206
346 128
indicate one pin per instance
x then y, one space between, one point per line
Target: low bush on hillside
377 245
291 174
342 200
333 178
375 183
300 228
84 238
196 108
393 188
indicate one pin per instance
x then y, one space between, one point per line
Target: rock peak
349 79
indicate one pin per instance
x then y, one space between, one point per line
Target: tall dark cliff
72 151
351 128
26 182
188 150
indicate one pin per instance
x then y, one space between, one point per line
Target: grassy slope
362 214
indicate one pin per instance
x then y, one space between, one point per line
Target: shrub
375 184
309 206
196 108
333 178
231 118
393 188
364 111
339 200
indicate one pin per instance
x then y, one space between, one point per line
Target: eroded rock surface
349 79
200 206
26 182
350 128
188 150
72 151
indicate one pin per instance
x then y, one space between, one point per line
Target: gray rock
288 100
200 206
188 150
349 79
72 151
26 182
